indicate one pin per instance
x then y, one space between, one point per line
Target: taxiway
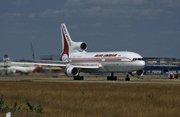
89 80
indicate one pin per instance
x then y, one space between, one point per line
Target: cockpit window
135 59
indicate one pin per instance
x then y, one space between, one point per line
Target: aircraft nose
142 64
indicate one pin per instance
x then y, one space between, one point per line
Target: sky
148 27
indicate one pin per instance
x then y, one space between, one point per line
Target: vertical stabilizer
69 46
66 39
66 42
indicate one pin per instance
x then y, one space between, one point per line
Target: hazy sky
148 27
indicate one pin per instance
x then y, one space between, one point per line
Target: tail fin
69 46
66 39
66 42
37 68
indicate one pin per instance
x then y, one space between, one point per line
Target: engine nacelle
140 72
71 71
80 46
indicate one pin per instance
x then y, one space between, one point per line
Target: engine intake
139 72
83 46
79 46
71 71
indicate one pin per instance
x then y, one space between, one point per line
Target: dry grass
71 99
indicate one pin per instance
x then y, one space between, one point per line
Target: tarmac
88 79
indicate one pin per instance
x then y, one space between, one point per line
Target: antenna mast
32 51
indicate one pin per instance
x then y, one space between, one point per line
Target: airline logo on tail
66 43
37 68
65 35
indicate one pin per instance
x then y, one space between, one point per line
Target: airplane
74 60
23 69
79 60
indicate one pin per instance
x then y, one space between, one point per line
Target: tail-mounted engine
71 71
75 47
80 46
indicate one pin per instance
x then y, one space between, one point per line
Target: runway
145 80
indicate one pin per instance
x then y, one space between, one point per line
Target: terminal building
166 66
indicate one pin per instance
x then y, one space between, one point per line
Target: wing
43 63
62 64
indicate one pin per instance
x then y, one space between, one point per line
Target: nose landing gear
127 78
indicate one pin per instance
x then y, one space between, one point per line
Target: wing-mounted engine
137 73
140 72
71 71
78 46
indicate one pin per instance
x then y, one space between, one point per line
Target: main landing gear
112 77
109 78
78 77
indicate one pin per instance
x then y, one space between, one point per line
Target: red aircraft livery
105 55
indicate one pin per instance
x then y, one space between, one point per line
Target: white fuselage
15 69
120 61
11 67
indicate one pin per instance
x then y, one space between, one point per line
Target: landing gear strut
127 78
112 77
78 77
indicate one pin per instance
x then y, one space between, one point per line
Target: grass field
80 99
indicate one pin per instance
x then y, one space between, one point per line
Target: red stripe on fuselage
117 59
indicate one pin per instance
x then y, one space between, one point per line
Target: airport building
166 66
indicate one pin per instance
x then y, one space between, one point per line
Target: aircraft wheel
108 77
81 77
127 79
75 77
115 78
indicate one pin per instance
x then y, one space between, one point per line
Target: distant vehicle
23 70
